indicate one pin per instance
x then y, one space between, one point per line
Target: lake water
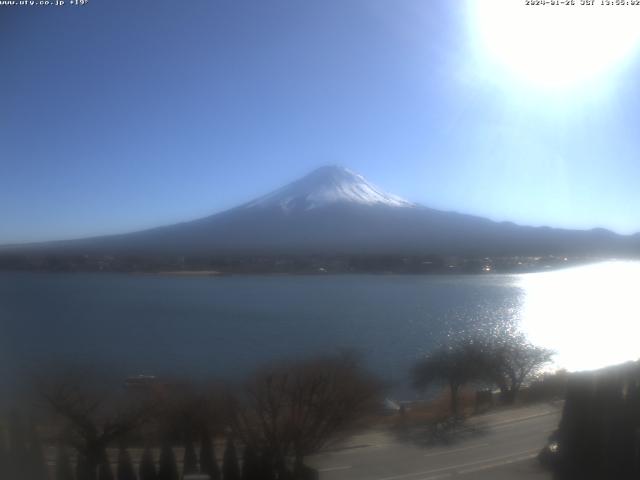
226 326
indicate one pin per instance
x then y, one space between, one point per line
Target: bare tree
513 360
501 357
189 410
93 417
290 411
454 366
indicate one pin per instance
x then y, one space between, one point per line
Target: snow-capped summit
324 186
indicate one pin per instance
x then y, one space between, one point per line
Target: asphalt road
496 446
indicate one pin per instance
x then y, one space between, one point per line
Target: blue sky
123 114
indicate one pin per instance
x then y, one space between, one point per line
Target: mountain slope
335 211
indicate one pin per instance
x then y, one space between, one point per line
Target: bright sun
556 46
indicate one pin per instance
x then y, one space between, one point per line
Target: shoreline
315 273
183 273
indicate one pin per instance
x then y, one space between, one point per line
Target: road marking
456 468
334 469
343 450
462 449
426 472
438 477
495 465
494 459
505 413
507 423
527 434
515 417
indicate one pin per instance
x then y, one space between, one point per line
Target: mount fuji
334 211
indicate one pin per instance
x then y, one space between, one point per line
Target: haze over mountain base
330 217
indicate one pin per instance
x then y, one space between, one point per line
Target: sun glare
555 46
588 315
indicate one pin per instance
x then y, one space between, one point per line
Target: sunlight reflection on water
589 315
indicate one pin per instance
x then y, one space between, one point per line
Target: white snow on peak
326 186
